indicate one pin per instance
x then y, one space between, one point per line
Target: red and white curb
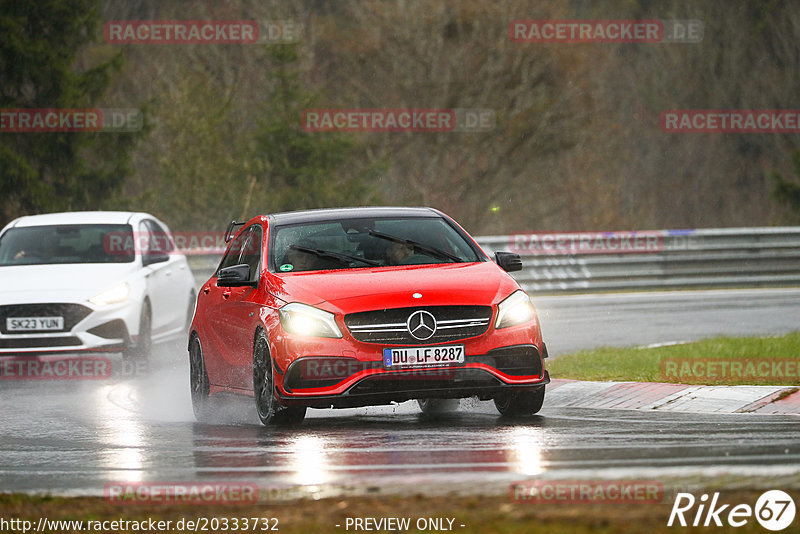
778 400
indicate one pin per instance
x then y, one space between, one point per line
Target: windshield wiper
344 258
425 249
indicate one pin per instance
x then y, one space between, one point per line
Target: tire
520 403
438 406
141 351
270 411
199 384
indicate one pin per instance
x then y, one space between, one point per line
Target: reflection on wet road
77 437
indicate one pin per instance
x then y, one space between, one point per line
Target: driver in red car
403 254
301 260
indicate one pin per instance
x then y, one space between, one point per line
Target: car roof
294 217
78 217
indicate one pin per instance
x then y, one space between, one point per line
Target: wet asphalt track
74 437
577 322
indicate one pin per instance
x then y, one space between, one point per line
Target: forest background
576 145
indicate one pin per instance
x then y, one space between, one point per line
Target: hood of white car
62 282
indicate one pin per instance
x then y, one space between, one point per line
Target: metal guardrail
618 261
666 259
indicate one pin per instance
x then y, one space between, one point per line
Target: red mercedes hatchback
364 306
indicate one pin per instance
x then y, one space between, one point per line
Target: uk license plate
414 357
25 324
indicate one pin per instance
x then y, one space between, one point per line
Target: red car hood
352 290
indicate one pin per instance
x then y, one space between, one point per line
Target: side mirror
235 276
151 258
508 261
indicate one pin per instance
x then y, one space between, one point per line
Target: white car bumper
87 328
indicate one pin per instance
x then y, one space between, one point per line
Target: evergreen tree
297 169
40 46
786 191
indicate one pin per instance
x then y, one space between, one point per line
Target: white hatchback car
91 281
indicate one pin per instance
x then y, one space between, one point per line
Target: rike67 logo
774 510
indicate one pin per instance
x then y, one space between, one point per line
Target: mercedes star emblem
421 325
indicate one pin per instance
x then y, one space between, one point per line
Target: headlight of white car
307 320
515 309
118 293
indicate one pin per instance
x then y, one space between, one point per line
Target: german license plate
25 324
413 357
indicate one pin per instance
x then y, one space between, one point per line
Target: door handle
206 290
226 295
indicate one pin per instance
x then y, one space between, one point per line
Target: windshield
85 243
368 243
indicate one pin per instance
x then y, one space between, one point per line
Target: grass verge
770 360
484 515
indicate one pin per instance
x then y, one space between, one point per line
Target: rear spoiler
230 231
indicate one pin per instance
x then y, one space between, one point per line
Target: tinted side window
251 253
231 257
246 248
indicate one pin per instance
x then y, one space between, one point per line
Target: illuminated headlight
306 320
515 309
116 294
